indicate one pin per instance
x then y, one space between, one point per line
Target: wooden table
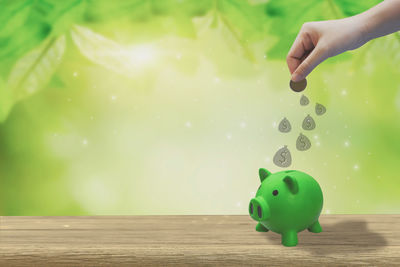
198 240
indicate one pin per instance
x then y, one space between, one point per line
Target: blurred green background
171 106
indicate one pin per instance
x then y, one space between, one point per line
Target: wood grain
372 240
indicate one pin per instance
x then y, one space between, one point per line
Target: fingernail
295 77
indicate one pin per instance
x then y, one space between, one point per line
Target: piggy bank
286 203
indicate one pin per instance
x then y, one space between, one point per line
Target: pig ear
263 174
292 184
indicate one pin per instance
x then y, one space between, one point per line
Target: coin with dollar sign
308 123
283 157
284 126
303 143
304 100
320 109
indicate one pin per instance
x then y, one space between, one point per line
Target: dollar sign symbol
303 143
308 123
304 100
319 109
284 126
282 157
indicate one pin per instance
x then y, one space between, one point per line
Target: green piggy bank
286 203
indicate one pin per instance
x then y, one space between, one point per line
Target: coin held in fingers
298 86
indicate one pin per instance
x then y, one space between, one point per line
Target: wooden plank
199 240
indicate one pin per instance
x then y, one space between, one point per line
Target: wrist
366 26
380 20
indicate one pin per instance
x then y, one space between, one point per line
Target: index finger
301 48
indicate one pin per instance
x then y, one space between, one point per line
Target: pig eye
275 192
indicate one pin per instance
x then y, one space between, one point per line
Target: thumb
316 56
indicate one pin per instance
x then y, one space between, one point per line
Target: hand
320 40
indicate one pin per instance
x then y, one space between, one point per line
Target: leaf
32 72
245 22
111 55
288 16
14 16
183 7
60 14
100 50
5 100
351 8
101 10
26 24
139 10
15 46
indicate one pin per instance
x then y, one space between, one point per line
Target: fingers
300 49
306 52
292 63
317 55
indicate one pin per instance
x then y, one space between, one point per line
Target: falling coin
284 126
303 143
308 123
304 100
282 157
298 86
319 109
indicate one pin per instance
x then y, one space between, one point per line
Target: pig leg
289 239
315 227
261 228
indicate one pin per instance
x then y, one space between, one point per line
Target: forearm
381 20
332 37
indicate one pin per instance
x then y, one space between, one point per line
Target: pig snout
259 209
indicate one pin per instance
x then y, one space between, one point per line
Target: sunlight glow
140 55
